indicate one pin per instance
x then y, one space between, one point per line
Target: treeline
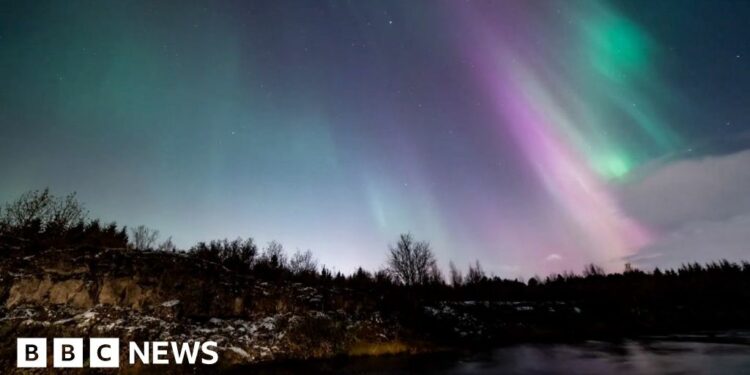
40 220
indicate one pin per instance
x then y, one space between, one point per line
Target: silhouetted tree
592 269
167 245
38 219
457 279
534 281
630 268
303 262
475 274
93 234
274 254
361 278
325 274
143 238
41 209
435 275
383 277
410 262
66 211
237 255
340 278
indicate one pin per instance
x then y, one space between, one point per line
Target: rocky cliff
149 296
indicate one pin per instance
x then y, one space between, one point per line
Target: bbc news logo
105 353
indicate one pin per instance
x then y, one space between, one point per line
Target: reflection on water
628 357
607 358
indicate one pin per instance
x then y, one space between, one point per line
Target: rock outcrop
150 296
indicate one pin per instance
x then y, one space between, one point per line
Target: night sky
535 136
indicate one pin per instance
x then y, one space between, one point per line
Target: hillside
261 317
152 296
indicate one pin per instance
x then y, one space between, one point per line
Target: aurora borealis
513 132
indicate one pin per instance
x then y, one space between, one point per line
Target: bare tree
167 245
435 275
475 274
29 207
246 251
457 279
592 269
40 207
274 254
303 262
144 238
410 262
66 212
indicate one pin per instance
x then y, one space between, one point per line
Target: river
652 356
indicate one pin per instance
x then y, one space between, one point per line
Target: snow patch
171 303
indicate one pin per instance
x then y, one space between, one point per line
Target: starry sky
535 136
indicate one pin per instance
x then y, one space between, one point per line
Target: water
627 357
606 358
